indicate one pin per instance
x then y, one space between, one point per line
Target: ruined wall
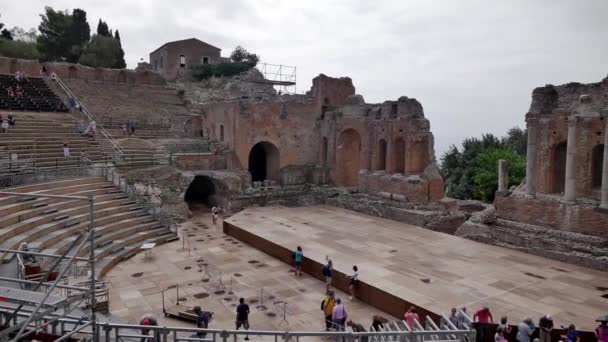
77 71
551 106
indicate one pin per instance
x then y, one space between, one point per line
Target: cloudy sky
471 63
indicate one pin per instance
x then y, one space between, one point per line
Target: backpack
326 271
323 304
293 255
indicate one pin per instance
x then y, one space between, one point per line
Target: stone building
567 166
330 136
173 59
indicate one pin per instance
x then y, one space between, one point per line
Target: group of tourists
128 128
21 76
87 130
16 93
6 123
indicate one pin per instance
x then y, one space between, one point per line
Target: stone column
604 202
531 159
503 176
570 186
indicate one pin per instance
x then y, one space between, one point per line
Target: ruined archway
381 155
205 192
264 162
597 160
558 168
348 160
399 156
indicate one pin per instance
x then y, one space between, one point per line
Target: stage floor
434 270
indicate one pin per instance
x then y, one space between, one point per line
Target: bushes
205 71
18 49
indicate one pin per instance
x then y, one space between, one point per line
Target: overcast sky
471 63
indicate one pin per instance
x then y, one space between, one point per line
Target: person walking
242 316
202 320
572 334
354 282
410 316
214 214
66 148
482 317
297 258
339 315
327 305
327 272
148 320
545 326
5 125
524 330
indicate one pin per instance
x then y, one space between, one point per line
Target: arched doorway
264 162
381 161
558 168
597 160
204 192
348 162
399 156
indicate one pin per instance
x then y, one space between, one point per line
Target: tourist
601 332
356 327
354 282
339 315
4 125
482 317
11 120
499 335
214 214
66 148
462 319
297 258
80 128
124 130
43 71
92 129
327 272
242 316
148 320
524 330
26 256
410 316
378 322
545 326
454 317
327 305
506 328
572 334
202 320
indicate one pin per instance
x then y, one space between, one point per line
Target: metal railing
118 151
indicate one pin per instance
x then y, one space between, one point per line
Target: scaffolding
40 291
282 77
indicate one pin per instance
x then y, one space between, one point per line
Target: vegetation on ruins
472 172
64 36
240 61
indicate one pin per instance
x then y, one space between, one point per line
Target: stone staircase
574 248
50 225
37 139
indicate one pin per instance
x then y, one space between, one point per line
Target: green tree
80 33
517 140
102 29
486 171
4 33
55 39
101 52
120 57
240 55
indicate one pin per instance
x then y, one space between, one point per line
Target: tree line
65 37
472 171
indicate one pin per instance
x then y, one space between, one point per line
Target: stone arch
557 173
597 160
72 72
419 156
264 162
324 151
348 158
122 77
381 155
205 192
399 156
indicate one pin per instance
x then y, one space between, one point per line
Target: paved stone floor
136 284
435 270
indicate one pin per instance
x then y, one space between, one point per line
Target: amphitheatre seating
50 225
37 141
37 96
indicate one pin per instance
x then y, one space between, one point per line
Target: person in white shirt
354 282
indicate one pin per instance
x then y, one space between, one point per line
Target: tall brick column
570 186
531 158
604 202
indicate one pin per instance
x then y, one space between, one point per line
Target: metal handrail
88 114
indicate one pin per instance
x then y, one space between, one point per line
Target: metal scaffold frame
279 75
43 307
